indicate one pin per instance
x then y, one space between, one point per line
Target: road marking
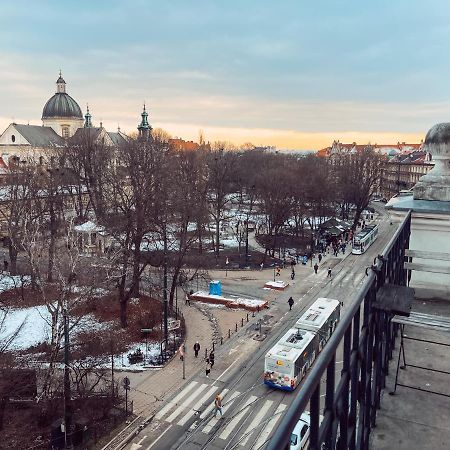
196 407
142 440
256 421
237 418
213 421
270 426
226 370
174 401
159 437
233 350
186 403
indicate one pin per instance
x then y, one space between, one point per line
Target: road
251 410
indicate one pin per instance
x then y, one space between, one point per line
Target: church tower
87 119
144 128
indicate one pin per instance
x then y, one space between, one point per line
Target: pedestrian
218 405
187 300
292 262
316 268
329 272
292 274
290 303
320 258
196 348
211 359
5 265
207 368
262 266
284 262
278 272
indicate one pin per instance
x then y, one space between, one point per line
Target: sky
294 74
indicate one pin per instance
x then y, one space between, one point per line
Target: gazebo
91 238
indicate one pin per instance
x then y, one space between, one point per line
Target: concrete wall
431 233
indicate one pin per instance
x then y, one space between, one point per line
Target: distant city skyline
292 74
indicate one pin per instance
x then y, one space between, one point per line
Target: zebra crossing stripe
213 421
195 408
237 418
256 421
270 426
186 403
173 402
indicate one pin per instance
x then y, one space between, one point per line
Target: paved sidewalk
150 388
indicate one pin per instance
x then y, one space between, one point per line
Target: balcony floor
412 419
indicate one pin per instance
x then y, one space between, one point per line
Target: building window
65 132
13 138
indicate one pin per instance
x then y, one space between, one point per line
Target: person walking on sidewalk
211 359
329 272
196 348
316 268
292 274
218 406
278 272
290 303
207 368
320 258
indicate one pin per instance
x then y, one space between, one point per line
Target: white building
62 124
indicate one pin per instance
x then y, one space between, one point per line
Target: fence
364 340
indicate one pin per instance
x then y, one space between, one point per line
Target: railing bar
314 411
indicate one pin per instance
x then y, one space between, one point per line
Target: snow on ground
278 285
153 352
8 282
34 330
230 301
36 327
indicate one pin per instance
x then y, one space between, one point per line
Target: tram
287 362
364 239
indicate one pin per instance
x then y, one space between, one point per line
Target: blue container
215 287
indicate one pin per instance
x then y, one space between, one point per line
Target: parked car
300 435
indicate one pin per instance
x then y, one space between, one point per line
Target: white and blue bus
287 362
364 239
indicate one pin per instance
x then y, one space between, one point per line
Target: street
251 410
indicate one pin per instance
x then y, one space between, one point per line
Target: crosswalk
247 418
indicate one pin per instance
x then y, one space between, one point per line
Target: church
62 125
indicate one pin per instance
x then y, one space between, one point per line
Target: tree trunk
12 257
123 302
217 238
52 245
136 267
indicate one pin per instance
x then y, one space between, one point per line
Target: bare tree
221 163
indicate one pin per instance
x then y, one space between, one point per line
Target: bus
363 240
287 362
321 318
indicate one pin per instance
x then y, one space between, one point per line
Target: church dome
61 104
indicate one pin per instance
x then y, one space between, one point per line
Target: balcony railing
363 341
